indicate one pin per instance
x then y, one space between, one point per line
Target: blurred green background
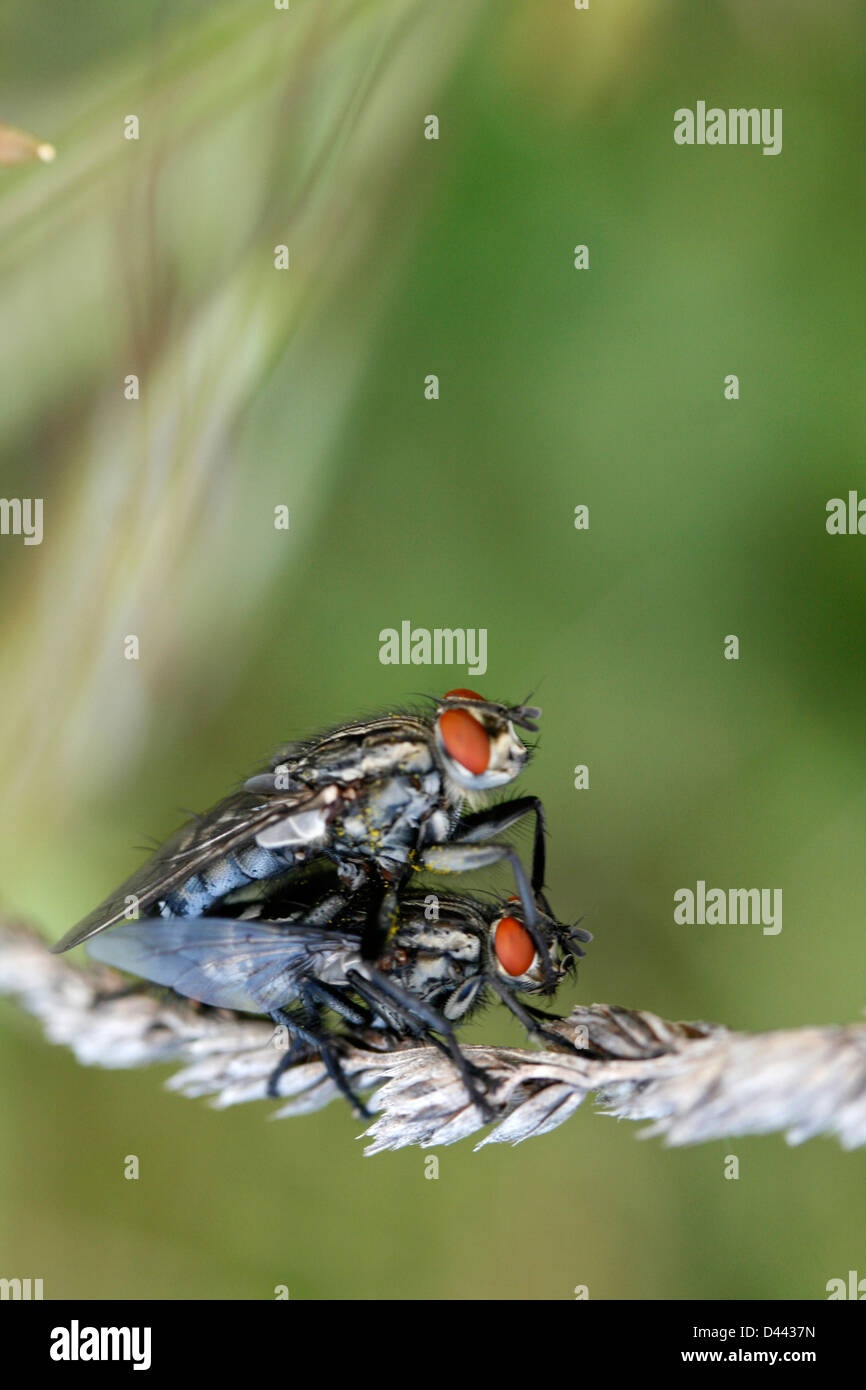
558 387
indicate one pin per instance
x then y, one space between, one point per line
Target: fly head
477 743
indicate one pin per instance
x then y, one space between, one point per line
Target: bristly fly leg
381 914
379 1000
461 857
423 1022
316 1042
541 1015
494 820
530 1017
339 1001
302 1046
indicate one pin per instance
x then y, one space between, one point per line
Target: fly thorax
352 875
439 960
443 941
405 758
429 971
389 815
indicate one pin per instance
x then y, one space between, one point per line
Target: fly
380 798
433 975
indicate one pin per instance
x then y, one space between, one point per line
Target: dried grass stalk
695 1081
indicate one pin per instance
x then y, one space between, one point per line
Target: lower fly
304 961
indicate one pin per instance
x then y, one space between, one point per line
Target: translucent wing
250 966
232 823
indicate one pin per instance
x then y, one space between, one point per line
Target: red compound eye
465 740
513 946
463 695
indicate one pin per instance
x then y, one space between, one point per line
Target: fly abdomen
190 900
255 862
230 871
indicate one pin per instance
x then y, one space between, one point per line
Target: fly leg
339 1001
302 1046
462 856
313 1040
540 1015
423 1022
494 820
536 1030
382 915
530 1018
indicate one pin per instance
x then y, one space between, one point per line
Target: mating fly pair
379 800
